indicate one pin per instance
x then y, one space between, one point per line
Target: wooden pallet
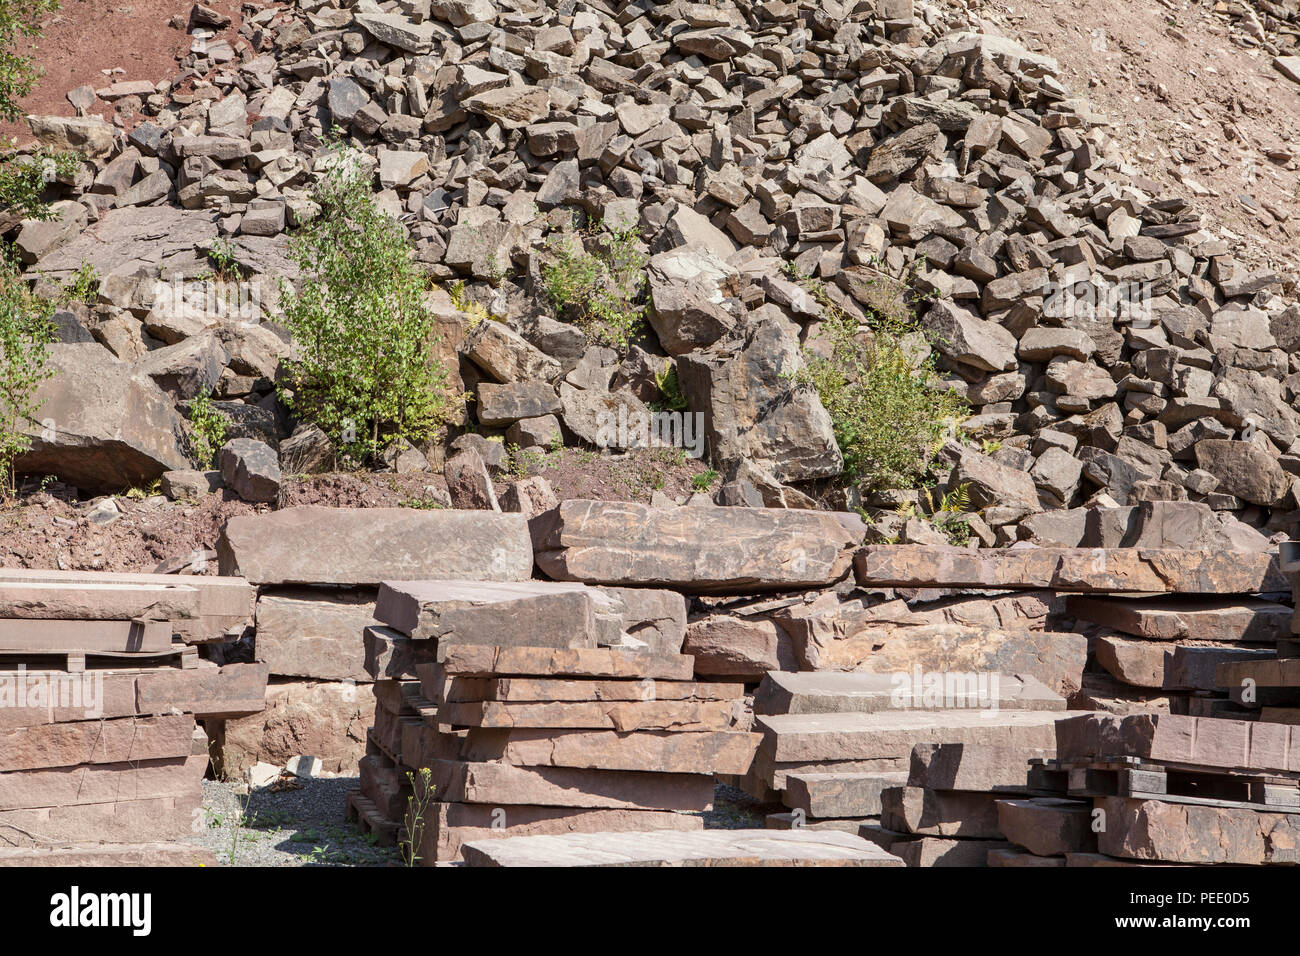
363 812
1131 777
77 660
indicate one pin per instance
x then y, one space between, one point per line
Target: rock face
101 425
315 545
694 550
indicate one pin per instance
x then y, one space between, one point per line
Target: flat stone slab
698 848
121 821
1278 672
110 854
1070 569
1161 665
893 733
483 661
659 751
96 741
830 795
1174 619
37 637
88 601
1186 741
102 783
449 826
521 614
622 716
441 688
834 692
694 550
499 784
224 602
367 546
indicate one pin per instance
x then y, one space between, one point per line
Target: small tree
366 372
25 336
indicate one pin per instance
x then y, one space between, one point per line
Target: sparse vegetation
417 806
596 280
704 480
207 429
25 337
83 286
20 28
890 412
367 373
23 179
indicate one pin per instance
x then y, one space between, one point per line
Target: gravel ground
288 828
307 827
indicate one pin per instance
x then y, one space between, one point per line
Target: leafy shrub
20 26
889 410
207 429
367 373
83 286
599 290
23 179
25 336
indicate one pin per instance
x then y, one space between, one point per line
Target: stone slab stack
317 572
912 767
1158 621
109 755
1269 686
1160 789
534 711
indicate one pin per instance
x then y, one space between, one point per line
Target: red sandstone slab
96 742
470 660
50 636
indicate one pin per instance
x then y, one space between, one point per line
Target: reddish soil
43 530
86 37
1193 109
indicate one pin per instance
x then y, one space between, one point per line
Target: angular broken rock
1182 833
694 550
1048 826
251 469
316 545
101 425
829 795
945 813
313 633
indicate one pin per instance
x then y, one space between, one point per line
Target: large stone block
829 692
522 614
115 741
314 545
477 660
1183 833
319 634
660 751
695 550
1191 741
497 784
1173 619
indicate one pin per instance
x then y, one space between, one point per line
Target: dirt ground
1197 112
49 529
85 40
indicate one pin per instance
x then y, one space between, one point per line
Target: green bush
599 290
20 27
23 180
25 336
366 371
207 429
889 410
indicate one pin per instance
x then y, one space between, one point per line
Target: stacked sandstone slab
100 694
1158 620
533 712
1160 789
317 572
873 755
1269 686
